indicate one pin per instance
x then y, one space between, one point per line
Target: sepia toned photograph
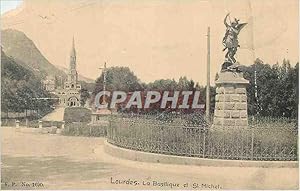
149 94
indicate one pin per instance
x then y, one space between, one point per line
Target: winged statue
230 40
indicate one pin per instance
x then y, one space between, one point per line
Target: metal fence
182 135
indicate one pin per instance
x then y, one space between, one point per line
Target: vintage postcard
149 94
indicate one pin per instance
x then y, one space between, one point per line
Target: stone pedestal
231 101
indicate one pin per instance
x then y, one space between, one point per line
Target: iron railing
184 137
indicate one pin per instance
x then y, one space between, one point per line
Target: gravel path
55 115
37 161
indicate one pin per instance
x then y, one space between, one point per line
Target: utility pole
207 113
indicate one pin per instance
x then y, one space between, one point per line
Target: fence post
113 132
203 155
77 129
252 142
107 129
109 134
27 125
63 125
90 130
162 139
17 123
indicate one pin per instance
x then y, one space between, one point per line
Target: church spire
73 56
73 44
72 75
73 51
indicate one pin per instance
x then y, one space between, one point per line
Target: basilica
69 94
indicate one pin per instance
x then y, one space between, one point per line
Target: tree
84 95
19 88
162 85
277 89
183 84
118 79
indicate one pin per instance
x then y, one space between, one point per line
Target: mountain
11 70
17 45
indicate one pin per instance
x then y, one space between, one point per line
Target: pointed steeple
73 51
72 75
73 56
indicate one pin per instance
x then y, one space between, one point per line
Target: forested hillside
20 87
17 45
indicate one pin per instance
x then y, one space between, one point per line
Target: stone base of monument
231 101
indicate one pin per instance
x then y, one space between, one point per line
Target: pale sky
157 38
7 5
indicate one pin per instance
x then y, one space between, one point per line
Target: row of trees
277 87
122 79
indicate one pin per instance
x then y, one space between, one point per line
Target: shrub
84 129
77 114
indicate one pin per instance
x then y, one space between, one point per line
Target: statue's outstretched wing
240 26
